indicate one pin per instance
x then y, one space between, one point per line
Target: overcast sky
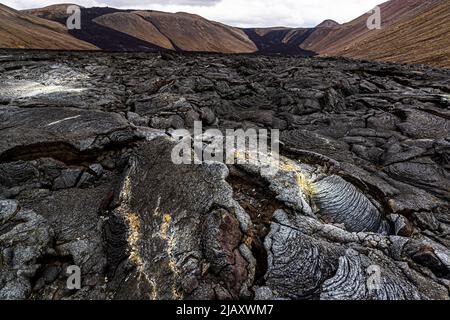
240 13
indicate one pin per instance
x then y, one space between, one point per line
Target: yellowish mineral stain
164 235
134 227
305 185
165 226
173 266
285 165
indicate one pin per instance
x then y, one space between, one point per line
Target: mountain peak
327 24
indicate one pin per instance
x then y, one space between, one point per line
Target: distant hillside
335 39
113 29
423 38
21 30
413 31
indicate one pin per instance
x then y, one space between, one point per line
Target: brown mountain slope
330 41
422 39
329 37
181 31
136 26
189 32
20 30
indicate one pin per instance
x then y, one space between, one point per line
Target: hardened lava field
359 208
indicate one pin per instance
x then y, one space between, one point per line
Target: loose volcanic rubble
359 208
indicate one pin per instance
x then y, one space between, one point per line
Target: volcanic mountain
21 30
413 31
335 38
422 37
113 29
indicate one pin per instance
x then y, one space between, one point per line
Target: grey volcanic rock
341 202
25 238
196 238
358 207
352 281
63 128
297 263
